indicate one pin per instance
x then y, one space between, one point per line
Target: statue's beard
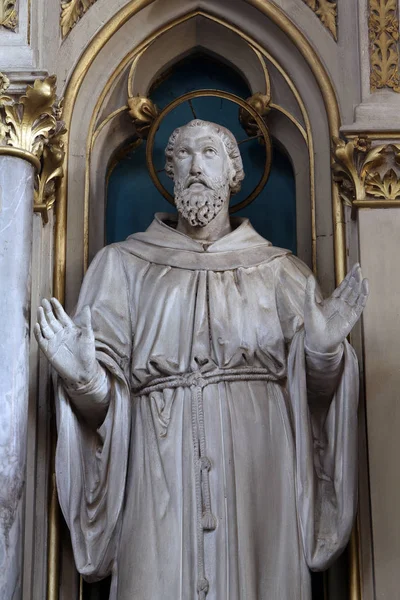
200 207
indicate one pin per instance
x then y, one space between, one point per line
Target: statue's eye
182 153
210 152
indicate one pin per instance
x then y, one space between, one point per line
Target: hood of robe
162 244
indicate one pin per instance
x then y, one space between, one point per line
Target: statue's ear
232 176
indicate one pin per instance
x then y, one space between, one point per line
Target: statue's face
201 174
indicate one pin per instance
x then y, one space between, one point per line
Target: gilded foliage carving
143 113
261 103
52 169
326 11
8 14
383 27
71 12
31 121
366 175
33 125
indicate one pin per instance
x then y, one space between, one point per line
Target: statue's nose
195 167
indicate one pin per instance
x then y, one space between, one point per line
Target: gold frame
219 94
282 21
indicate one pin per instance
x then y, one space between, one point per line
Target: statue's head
204 161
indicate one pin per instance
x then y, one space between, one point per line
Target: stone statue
207 401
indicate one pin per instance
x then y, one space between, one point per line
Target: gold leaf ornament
326 11
31 120
31 128
4 85
261 103
71 12
143 113
50 175
362 172
8 14
387 187
383 28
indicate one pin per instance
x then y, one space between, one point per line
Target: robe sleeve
323 394
91 464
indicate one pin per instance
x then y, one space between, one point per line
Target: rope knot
208 521
202 586
205 463
196 380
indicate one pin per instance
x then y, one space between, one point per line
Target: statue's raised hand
69 347
328 323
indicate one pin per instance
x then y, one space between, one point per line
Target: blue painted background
132 198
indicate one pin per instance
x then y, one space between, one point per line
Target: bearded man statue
207 401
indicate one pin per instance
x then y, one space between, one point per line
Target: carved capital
143 113
8 14
326 11
31 128
71 12
367 175
383 29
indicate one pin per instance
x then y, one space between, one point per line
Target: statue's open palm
328 323
70 348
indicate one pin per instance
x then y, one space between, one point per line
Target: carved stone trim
32 128
368 176
8 14
326 11
71 12
383 28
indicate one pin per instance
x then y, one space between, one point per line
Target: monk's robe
221 463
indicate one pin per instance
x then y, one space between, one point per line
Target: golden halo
219 94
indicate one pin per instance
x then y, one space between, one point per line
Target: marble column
16 210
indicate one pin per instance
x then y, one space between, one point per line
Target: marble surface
16 188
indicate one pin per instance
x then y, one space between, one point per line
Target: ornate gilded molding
143 113
31 128
368 176
71 12
326 11
8 14
261 104
383 29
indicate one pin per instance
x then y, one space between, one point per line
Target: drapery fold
91 469
326 455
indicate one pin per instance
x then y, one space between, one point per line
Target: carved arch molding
73 10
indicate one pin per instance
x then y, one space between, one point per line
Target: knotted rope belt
197 381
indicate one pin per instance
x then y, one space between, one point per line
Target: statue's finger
60 313
363 296
353 296
356 267
346 281
349 289
365 287
38 333
51 319
354 287
46 330
357 273
342 286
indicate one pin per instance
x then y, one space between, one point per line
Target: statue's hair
227 138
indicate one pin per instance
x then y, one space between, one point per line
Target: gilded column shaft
16 198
